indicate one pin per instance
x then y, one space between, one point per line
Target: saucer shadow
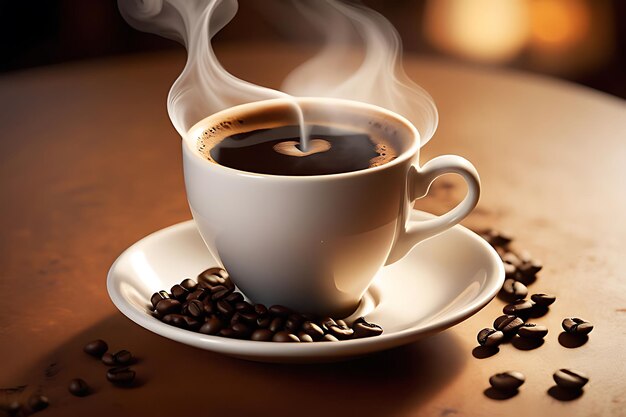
572 341
494 394
175 379
483 352
526 343
561 394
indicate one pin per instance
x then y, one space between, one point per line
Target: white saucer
443 281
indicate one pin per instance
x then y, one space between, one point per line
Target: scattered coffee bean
519 307
529 268
508 324
514 289
511 258
577 326
262 335
279 310
195 308
495 238
570 379
507 381
490 337
78 387
158 296
543 300
509 270
168 306
364 329
189 284
122 375
532 331
108 359
123 357
96 348
179 292
284 336
211 326
37 402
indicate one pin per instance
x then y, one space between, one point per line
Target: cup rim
192 134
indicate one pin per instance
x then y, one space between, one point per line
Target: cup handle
418 183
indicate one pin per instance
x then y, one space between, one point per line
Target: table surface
89 164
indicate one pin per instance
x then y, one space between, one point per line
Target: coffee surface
276 151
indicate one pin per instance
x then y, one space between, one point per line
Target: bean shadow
572 341
495 394
175 379
561 394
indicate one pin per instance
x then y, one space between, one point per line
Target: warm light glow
481 30
559 24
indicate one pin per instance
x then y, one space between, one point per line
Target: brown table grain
89 164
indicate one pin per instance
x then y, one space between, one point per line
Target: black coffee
276 151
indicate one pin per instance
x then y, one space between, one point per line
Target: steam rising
205 87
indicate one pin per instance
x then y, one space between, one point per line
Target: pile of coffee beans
520 272
211 306
119 362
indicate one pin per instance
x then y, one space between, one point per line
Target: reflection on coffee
276 151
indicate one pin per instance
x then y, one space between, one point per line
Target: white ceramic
314 243
438 284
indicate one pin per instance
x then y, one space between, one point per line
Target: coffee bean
177 320
212 326
264 322
195 308
532 331
96 348
37 402
108 359
212 276
228 283
179 292
123 357
519 307
225 308
341 332
260 309
543 300
511 258
304 337
121 375
168 306
191 323
529 268
189 284
209 307
244 307
570 379
508 324
507 381
577 326
158 296
234 298
240 330
277 324
494 238
228 332
293 323
312 330
249 318
78 387
364 329
490 337
509 270
278 310
327 322
262 335
199 294
284 336
219 292
514 289
329 338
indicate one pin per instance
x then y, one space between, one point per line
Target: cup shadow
175 379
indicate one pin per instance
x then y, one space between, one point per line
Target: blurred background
583 41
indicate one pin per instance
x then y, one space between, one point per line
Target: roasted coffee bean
490 337
241 330
236 318
577 326
192 323
312 330
509 270
228 283
508 324
212 326
364 329
225 308
293 323
262 335
264 322
195 308
123 357
244 307
249 318
234 298
543 300
327 322
494 238
532 331
168 306
78 387
209 307
519 307
507 381
514 289
329 338
212 276
529 268
284 336
570 379
158 296
96 348
121 375
278 310
277 324
511 258
260 309
219 292
108 359
228 332
341 332
199 294
37 402
304 337
179 292
178 320
189 284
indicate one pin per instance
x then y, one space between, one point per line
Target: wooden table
90 163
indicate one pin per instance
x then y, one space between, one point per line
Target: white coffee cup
315 243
